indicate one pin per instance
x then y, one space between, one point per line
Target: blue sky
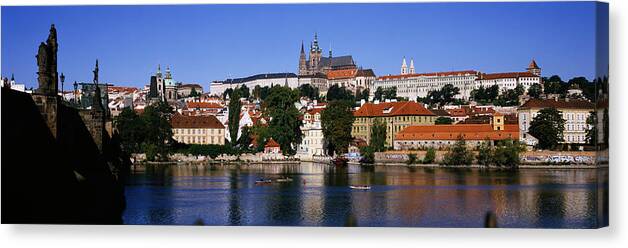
202 43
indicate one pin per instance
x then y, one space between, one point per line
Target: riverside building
198 129
396 116
412 85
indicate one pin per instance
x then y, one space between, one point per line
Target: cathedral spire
411 66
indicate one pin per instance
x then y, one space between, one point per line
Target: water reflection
400 196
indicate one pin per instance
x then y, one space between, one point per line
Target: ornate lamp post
62 77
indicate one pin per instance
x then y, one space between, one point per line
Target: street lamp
62 80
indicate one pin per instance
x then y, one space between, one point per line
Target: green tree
430 156
309 91
485 154
535 90
548 127
390 93
157 130
379 94
443 120
336 92
378 141
194 93
130 129
245 92
510 97
507 152
364 95
235 107
336 121
245 138
227 92
443 96
458 154
591 134
285 125
378 135
411 159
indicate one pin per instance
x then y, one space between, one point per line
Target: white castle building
412 85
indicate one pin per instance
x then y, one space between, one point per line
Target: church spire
404 66
412 66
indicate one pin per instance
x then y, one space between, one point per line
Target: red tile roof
489 76
210 121
271 143
313 111
559 104
203 105
444 73
453 132
341 74
391 109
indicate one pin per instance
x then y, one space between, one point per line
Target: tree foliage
548 127
442 120
485 95
336 121
285 125
149 133
430 156
309 91
591 132
443 96
336 92
382 94
458 154
235 107
535 90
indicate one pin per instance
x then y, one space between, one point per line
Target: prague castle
317 63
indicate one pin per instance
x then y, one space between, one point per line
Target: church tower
412 66
302 59
315 54
404 67
534 68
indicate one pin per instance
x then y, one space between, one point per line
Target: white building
412 85
270 79
574 111
313 142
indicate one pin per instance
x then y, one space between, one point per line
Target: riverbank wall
529 159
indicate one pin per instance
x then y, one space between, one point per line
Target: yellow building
197 129
396 115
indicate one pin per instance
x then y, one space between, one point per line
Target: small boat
263 181
340 161
283 180
362 187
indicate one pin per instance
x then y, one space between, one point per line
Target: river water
399 197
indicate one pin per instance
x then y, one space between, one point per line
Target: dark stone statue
96 73
47 64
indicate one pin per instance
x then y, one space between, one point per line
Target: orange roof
444 73
391 109
210 121
453 132
340 74
203 105
506 75
558 104
271 143
533 65
313 111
